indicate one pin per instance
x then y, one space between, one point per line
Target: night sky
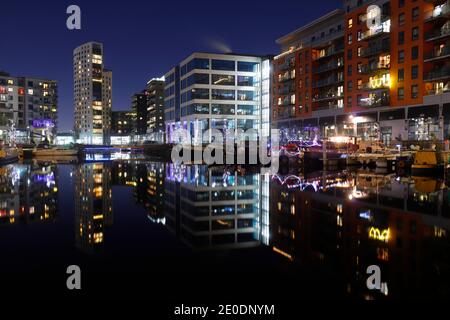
142 39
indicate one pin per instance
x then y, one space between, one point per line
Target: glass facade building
217 91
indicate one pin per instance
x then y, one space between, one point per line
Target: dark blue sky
142 39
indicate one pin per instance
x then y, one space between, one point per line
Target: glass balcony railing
374 101
286 90
328 82
440 11
382 29
327 96
285 77
438 34
286 66
330 52
375 50
374 67
440 53
438 74
328 67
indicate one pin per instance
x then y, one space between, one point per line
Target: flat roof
308 26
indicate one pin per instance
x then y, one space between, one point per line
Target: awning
398 114
423 112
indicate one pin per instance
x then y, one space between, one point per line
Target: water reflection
28 193
335 223
93 204
216 208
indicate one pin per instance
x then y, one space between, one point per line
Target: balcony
374 67
285 77
286 102
438 34
286 90
438 74
326 96
328 67
286 113
375 50
440 53
334 80
330 52
289 64
375 100
383 29
439 12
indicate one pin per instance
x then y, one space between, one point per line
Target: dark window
401 3
349 54
349 70
400 93
248 66
414 91
227 65
415 13
401 37
401 56
401 75
414 72
415 33
401 19
414 53
349 86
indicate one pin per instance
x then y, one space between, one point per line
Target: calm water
138 228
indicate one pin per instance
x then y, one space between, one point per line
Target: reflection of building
217 91
155 108
377 69
31 104
93 204
92 94
215 209
350 226
28 193
155 191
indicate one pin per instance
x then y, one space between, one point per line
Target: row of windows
218 94
218 79
220 109
215 64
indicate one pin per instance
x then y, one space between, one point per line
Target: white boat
54 152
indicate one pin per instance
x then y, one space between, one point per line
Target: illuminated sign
365 215
43 123
377 234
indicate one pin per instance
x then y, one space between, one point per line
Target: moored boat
8 156
426 164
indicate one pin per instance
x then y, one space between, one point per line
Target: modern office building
375 69
31 105
92 95
217 91
155 110
139 108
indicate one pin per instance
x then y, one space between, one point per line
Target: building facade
217 91
155 110
31 104
92 95
122 122
139 108
375 70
